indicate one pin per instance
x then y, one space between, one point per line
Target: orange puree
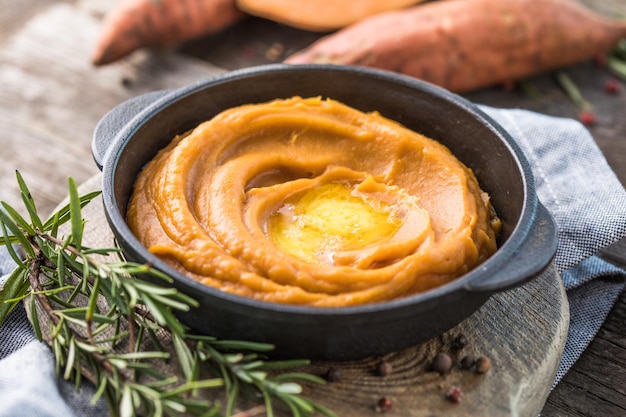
308 201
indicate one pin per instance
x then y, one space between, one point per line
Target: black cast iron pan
133 132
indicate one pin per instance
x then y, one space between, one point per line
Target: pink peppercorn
383 405
454 394
612 86
587 118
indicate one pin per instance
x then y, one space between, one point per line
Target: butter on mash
308 201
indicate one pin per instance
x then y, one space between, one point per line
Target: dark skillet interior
345 333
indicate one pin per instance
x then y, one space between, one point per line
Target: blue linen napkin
574 182
588 203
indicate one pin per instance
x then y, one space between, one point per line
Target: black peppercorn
442 363
467 362
333 374
384 368
459 342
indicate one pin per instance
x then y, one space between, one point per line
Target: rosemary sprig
105 322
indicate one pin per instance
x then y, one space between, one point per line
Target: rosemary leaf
300 404
52 225
76 218
154 289
243 345
294 376
162 381
6 240
175 406
20 222
232 392
252 365
140 355
289 388
14 289
71 357
157 313
28 201
268 404
185 357
100 251
89 348
102 387
126 405
35 319
170 302
93 300
16 236
193 386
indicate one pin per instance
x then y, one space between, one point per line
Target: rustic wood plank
51 98
596 385
14 14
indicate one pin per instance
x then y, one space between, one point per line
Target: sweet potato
134 24
463 45
319 15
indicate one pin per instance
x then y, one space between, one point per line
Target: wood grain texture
51 99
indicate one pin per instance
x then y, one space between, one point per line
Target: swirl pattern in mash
311 202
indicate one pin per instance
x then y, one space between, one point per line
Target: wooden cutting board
522 331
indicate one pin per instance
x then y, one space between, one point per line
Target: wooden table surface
51 98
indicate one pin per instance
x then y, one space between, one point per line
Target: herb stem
572 91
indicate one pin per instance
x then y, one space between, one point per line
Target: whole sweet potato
463 45
134 24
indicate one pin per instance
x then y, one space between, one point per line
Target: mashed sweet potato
308 201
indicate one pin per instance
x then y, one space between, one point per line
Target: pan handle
112 123
530 259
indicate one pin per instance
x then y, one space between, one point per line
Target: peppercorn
482 365
333 374
442 363
459 342
384 368
467 362
601 60
587 118
454 394
612 86
383 405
